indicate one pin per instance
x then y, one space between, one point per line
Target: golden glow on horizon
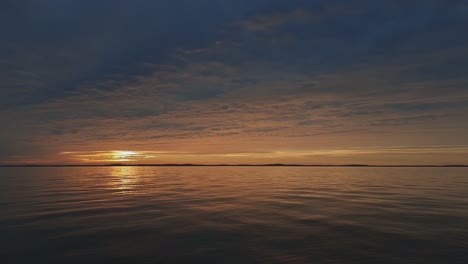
259 156
124 155
110 156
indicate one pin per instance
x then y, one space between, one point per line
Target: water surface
233 215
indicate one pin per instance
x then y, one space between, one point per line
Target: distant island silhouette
221 165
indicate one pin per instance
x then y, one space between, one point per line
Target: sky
233 81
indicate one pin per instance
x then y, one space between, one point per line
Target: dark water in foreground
233 215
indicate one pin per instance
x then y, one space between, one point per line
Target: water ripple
234 215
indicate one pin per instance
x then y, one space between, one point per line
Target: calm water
233 215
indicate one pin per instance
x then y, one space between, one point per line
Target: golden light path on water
246 214
123 179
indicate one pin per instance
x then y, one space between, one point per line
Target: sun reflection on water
124 179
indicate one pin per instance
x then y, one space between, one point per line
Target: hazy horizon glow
310 82
323 156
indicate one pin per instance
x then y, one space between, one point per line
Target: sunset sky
234 81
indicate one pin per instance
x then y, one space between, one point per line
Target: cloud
295 79
260 23
113 155
307 16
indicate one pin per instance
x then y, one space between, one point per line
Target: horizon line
229 165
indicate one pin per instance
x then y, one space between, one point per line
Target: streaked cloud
112 155
299 15
317 156
296 82
267 22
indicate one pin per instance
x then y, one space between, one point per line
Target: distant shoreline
232 165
